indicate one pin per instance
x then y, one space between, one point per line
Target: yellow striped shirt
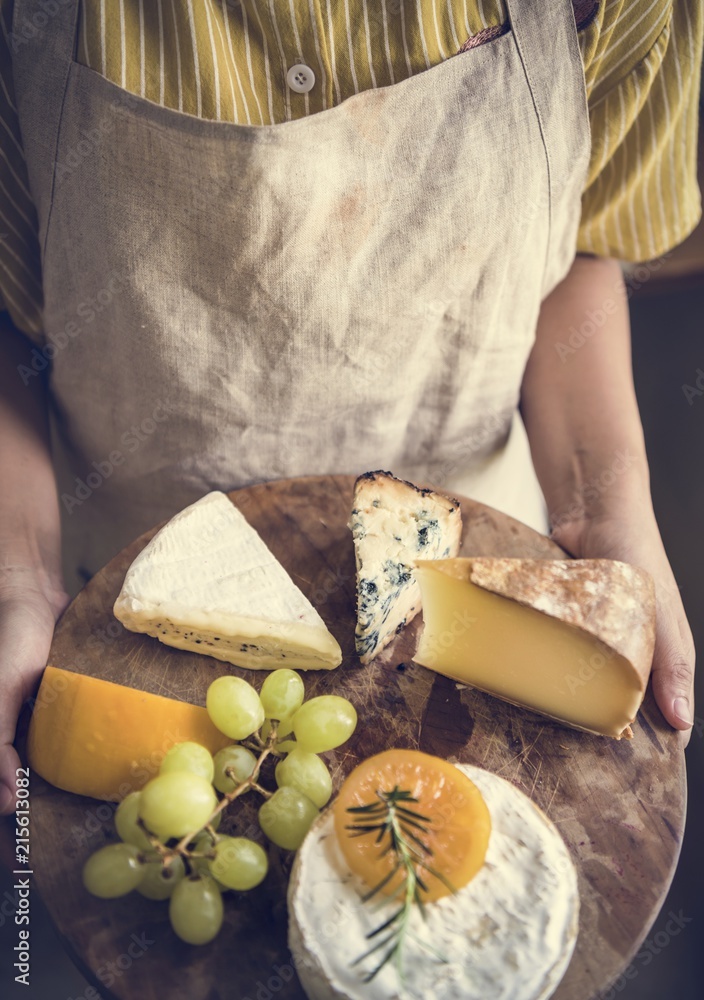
228 60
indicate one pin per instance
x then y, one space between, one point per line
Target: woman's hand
29 607
633 537
581 414
32 595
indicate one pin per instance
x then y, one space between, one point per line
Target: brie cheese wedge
508 934
394 523
207 583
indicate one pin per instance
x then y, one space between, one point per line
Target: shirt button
300 78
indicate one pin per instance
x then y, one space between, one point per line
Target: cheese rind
509 934
571 639
613 601
207 583
393 523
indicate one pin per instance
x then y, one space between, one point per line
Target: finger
673 670
25 637
10 706
9 763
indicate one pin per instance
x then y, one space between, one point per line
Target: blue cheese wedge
394 523
508 934
207 583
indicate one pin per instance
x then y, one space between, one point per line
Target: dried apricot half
440 813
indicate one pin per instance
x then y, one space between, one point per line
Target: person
246 240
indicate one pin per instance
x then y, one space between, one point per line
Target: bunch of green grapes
169 845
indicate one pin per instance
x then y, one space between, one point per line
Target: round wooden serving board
619 805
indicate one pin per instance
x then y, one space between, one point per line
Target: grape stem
262 791
244 786
257 747
153 840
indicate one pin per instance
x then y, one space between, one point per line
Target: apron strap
42 44
545 32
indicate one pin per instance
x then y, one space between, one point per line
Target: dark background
667 317
667 314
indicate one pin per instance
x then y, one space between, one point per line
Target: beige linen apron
353 290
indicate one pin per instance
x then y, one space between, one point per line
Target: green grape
286 817
203 842
242 762
234 707
177 803
160 880
126 816
204 845
239 863
306 772
282 693
323 723
284 728
215 822
195 909
113 871
188 757
204 837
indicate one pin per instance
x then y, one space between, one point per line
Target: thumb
9 759
640 543
673 662
26 628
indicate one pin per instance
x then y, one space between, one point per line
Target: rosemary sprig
393 817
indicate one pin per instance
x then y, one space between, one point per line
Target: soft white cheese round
509 934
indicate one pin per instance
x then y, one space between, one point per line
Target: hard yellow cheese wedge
96 738
571 639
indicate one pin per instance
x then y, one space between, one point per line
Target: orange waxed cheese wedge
458 825
96 738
